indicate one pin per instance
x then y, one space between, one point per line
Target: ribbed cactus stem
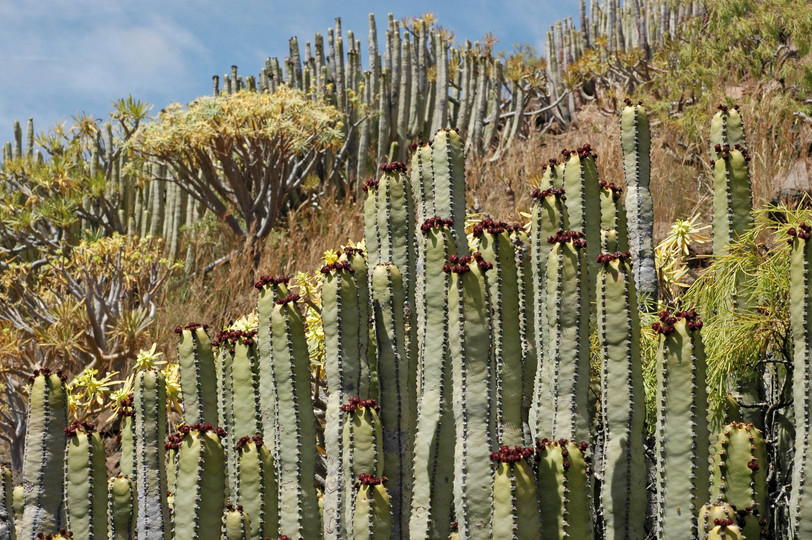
682 445
388 297
727 128
473 402
732 196
623 410
201 482
739 475
563 397
198 380
235 523
362 440
614 233
257 487
345 318
85 481
18 498
496 247
298 502
447 188
44 455
121 508
564 488
584 203
149 403
515 498
433 472
800 506
7 527
373 518
635 141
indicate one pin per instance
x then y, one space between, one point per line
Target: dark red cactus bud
435 223
288 300
455 526
562 237
753 465
395 166
337 266
555 192
270 280
370 480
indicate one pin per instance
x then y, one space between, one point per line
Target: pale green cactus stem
732 196
682 441
7 527
623 490
563 409
373 519
18 499
515 497
710 513
171 461
614 233
739 475
299 515
44 455
362 439
496 247
472 375
121 508
446 193
564 488
198 380
85 481
433 472
635 141
800 505
200 488
726 532
257 487
388 298
235 523
527 321
727 128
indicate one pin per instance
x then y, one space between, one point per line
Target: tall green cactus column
7 527
564 487
563 409
121 508
614 230
299 515
635 141
44 455
474 415
515 497
800 504
448 182
732 196
235 523
496 247
373 518
85 481
584 203
362 439
682 435
346 346
388 297
198 381
433 472
256 486
623 409
200 487
739 475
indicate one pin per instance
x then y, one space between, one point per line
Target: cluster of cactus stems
470 416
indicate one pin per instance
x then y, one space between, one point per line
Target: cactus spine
44 455
623 491
474 418
121 508
564 489
85 481
197 375
257 487
373 518
635 141
515 499
683 438
7 528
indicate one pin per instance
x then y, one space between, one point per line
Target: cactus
85 481
18 499
682 445
235 523
584 202
257 487
121 508
732 196
44 455
149 403
563 409
623 490
564 489
614 232
712 514
388 294
373 518
635 141
126 417
727 128
200 487
433 470
726 531
515 499
801 323
7 527
298 501
739 475
496 247
444 195
197 375
473 380
363 441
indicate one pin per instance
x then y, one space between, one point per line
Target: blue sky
60 57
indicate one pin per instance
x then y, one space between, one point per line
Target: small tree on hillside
242 154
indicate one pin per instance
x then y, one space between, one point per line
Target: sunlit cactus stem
121 508
362 439
614 233
732 196
515 497
7 528
236 524
43 481
373 513
713 513
197 375
682 444
727 128
257 487
85 481
584 203
564 488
